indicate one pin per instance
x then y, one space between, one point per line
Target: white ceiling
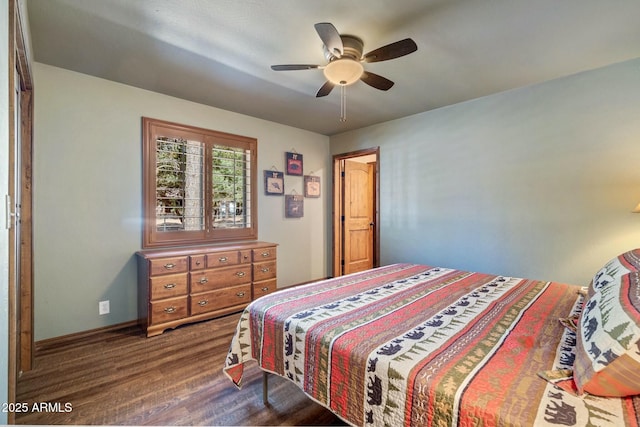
219 52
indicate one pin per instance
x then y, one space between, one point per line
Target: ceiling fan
344 53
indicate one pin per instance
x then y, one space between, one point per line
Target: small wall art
273 183
311 186
294 163
294 206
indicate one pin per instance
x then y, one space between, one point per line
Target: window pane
231 187
179 185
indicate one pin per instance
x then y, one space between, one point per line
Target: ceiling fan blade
376 81
325 89
292 67
330 37
391 51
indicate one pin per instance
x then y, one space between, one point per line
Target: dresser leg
265 388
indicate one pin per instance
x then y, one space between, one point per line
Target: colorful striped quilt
414 345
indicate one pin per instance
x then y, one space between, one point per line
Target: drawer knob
264 269
169 266
241 274
170 286
265 289
170 309
240 294
197 262
203 303
265 254
223 259
203 280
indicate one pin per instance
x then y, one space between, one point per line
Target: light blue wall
536 182
4 185
88 195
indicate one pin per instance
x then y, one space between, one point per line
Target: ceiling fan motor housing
352 48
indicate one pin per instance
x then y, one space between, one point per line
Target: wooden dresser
183 285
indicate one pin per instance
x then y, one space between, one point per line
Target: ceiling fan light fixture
343 71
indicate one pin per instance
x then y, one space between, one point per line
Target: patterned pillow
608 337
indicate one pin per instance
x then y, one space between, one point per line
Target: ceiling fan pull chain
343 103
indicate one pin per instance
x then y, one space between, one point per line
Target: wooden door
358 217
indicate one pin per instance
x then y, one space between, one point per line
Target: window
198 185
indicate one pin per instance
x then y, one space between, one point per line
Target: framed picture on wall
294 206
311 186
294 163
273 183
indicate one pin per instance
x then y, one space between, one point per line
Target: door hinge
10 215
342 218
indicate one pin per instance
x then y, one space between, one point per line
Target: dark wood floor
124 378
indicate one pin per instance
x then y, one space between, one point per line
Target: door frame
338 207
20 355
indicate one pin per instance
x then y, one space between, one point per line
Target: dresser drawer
264 254
170 285
168 265
245 256
221 298
221 259
207 280
198 262
264 270
168 309
264 288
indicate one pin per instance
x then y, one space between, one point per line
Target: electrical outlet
103 307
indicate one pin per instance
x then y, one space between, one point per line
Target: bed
409 344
